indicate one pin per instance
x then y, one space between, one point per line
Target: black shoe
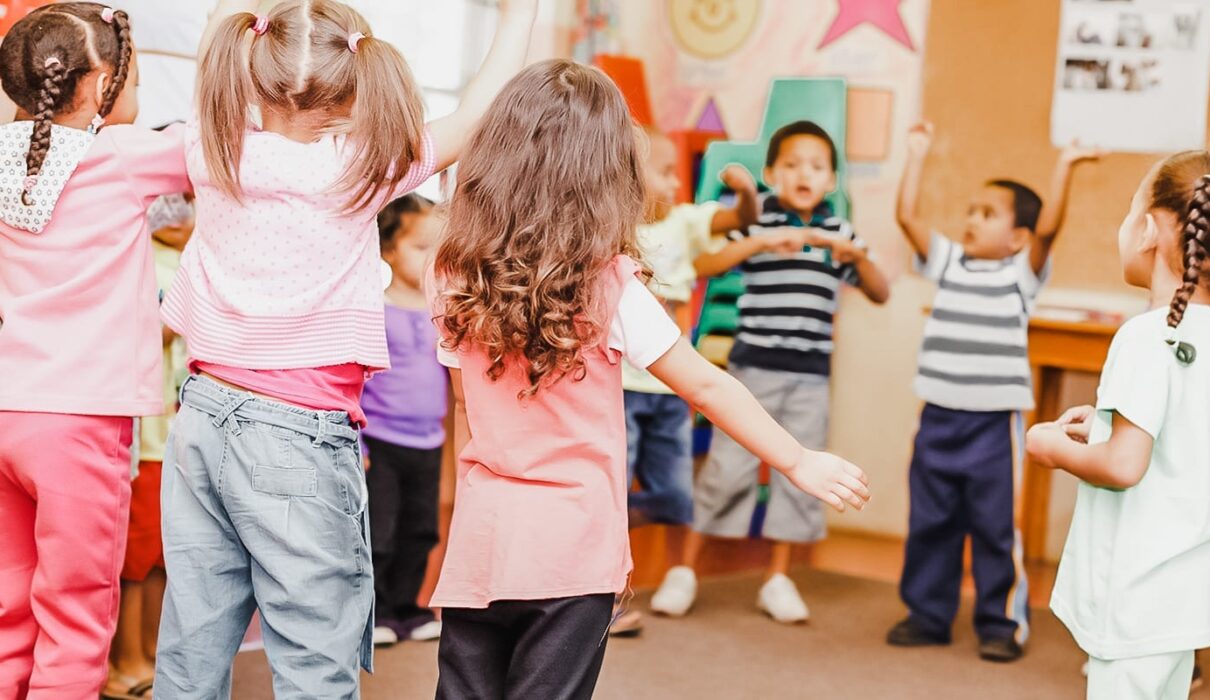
909 633
1000 649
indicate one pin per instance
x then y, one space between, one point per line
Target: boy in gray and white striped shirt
975 379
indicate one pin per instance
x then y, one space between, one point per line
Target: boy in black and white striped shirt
782 353
975 379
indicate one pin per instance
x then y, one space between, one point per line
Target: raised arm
505 57
1119 463
746 210
918 232
733 409
1054 209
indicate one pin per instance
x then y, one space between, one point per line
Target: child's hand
365 463
737 179
843 252
830 479
1041 441
784 240
920 139
1077 422
1074 153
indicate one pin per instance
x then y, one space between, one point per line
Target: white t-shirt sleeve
641 330
940 250
447 358
1031 282
1136 378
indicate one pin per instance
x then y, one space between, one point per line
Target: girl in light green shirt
1133 585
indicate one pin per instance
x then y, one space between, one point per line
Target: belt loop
231 407
319 432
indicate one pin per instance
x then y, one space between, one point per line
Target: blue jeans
264 508
659 451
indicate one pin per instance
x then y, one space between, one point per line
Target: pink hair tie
107 15
261 26
354 39
30 182
51 62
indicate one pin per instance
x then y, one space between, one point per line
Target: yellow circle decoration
713 28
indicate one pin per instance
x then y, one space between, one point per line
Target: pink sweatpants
64 505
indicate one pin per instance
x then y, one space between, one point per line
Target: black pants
524 649
403 485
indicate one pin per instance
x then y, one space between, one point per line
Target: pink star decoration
883 14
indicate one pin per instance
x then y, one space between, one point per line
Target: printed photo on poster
1132 75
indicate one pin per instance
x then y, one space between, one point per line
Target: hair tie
107 15
52 61
261 26
355 39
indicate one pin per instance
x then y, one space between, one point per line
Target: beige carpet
726 649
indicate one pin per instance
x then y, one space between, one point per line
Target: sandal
135 689
628 624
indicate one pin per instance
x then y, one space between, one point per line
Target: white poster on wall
1132 75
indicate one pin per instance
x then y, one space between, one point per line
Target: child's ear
833 182
766 176
1150 240
1021 237
103 80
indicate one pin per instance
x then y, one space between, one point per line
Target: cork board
990 98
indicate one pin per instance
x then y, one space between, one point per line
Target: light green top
1135 575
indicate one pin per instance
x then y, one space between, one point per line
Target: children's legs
475 650
695 542
560 649
384 481
77 488
208 598
664 463
417 532
779 559
18 628
932 566
127 652
1002 604
1160 677
153 608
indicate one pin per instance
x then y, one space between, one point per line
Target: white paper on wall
1132 75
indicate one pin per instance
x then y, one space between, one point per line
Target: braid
49 97
1196 240
121 69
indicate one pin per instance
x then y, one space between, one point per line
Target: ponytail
386 125
223 91
1195 237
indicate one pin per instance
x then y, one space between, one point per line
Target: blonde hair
303 67
550 190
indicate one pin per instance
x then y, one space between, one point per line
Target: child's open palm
1075 153
737 178
831 479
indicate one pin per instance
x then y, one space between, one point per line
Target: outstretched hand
831 479
1074 153
738 179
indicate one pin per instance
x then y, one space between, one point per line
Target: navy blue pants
962 483
659 451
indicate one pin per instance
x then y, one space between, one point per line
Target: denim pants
264 508
659 451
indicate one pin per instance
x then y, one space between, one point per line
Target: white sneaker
384 636
427 632
676 594
780 600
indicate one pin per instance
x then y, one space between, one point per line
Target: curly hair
550 191
43 58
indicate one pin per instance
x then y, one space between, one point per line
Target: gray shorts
728 490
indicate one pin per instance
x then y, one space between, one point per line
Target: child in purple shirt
405 407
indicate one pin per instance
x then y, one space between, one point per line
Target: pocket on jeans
277 481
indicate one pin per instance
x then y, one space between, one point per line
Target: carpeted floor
726 649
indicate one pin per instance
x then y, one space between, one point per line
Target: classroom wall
986 82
